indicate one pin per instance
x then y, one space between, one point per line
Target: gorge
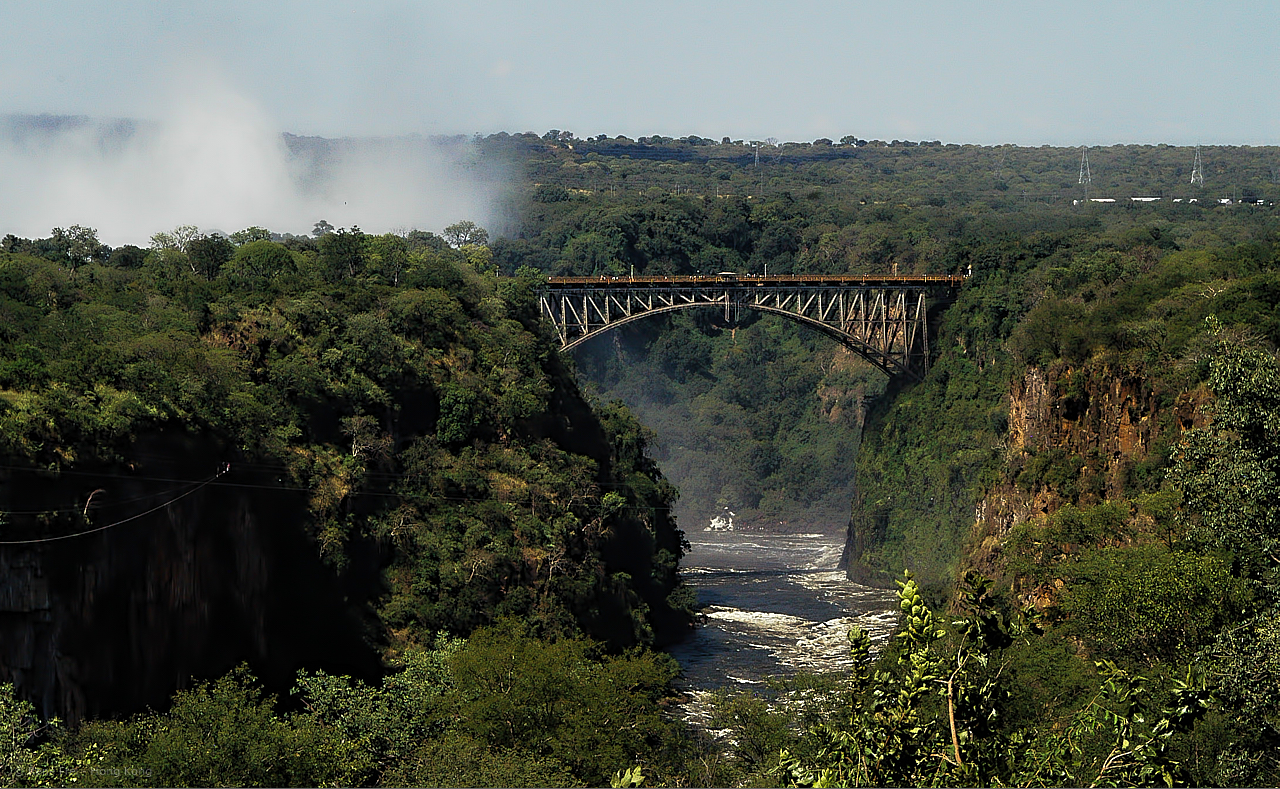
420 483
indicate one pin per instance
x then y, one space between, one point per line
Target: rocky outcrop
1107 418
1102 421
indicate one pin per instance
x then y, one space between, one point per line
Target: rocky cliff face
948 468
1098 426
112 622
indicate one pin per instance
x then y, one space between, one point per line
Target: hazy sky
1027 72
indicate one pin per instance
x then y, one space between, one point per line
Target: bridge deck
953 280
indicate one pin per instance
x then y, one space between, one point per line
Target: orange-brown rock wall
1107 419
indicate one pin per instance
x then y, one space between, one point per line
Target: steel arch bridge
883 318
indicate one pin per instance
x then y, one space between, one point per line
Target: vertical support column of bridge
563 326
881 322
922 315
905 331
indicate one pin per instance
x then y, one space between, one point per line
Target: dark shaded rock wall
113 622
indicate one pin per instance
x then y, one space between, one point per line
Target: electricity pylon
1086 177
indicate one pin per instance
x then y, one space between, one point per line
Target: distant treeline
897 170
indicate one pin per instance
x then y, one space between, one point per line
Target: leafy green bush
929 713
503 708
221 733
1148 603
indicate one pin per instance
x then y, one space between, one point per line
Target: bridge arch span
884 319
852 343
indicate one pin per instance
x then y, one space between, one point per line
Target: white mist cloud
216 159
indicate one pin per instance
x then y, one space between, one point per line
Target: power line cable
102 506
200 485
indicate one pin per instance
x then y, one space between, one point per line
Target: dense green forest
415 397
417 401
1117 627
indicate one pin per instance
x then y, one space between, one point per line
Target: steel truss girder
886 324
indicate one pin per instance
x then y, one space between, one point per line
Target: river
771 605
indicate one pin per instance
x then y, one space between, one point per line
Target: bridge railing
952 280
